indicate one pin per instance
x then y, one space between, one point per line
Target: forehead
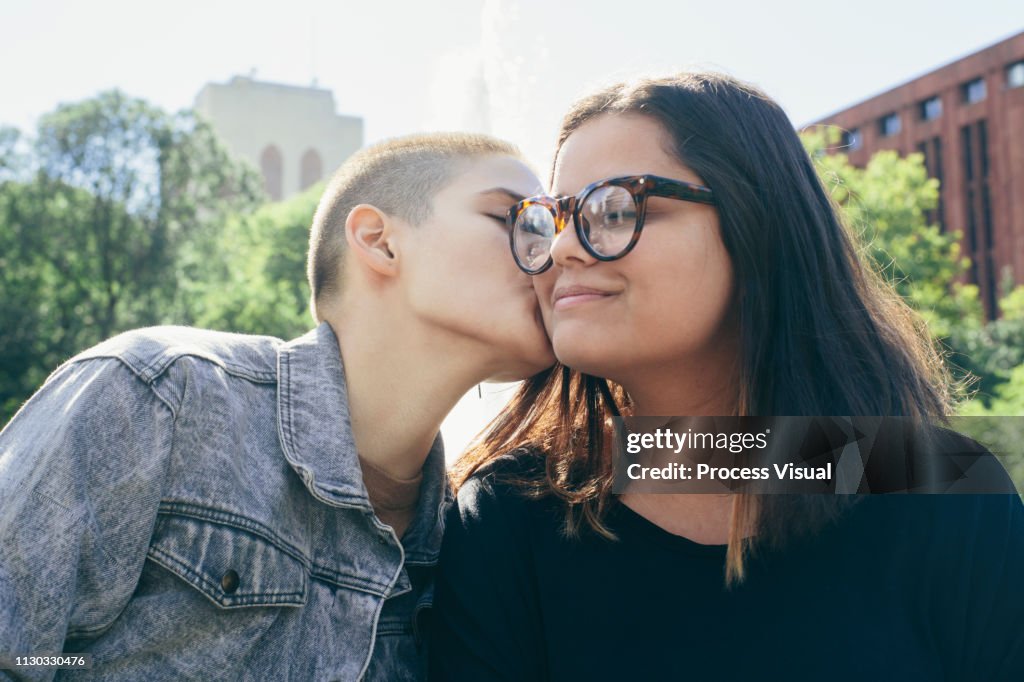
613 145
481 174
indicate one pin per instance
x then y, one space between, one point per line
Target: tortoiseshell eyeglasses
608 216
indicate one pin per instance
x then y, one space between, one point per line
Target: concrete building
291 134
967 119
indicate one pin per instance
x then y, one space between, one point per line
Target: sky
501 66
413 66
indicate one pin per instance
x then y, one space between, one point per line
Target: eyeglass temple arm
680 190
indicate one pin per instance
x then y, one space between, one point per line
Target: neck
403 379
704 385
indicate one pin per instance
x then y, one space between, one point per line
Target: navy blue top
900 587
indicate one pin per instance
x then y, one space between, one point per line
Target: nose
566 247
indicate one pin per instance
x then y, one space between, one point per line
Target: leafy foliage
257 285
886 204
95 212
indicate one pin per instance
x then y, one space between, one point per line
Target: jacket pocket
230 565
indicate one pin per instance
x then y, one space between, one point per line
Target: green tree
259 286
886 204
41 311
999 423
95 213
994 351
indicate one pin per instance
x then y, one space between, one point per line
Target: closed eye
500 219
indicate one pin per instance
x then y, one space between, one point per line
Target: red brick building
967 119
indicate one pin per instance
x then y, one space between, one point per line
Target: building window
980 221
982 128
312 169
271 166
931 109
940 214
991 289
986 216
1015 75
889 125
972 225
852 140
968 152
931 150
974 91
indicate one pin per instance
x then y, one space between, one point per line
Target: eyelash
499 219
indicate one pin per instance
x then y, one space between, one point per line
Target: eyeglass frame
640 187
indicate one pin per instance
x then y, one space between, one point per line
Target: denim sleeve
82 466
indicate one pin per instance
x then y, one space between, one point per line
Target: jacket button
229 583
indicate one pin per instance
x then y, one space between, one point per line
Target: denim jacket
186 504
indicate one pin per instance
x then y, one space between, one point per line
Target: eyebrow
515 196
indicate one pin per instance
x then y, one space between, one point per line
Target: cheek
697 273
681 286
690 255
494 250
490 283
443 275
543 285
480 262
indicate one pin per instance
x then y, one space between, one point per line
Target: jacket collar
315 429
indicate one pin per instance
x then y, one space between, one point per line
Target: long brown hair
821 333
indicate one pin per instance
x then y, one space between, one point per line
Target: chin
595 363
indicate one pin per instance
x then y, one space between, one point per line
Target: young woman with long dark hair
700 268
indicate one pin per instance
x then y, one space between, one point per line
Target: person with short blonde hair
186 504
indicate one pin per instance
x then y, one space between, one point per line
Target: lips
567 296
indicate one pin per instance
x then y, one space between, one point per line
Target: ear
369 233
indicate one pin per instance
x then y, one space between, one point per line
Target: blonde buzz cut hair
400 177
